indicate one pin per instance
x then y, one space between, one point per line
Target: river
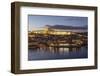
62 53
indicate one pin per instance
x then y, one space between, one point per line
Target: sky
39 21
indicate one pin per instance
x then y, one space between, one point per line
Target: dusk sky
39 21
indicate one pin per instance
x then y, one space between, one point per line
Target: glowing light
52 31
69 33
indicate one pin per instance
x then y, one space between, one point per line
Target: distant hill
65 27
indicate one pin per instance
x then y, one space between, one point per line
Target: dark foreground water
62 53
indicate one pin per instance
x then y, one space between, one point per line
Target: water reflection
57 53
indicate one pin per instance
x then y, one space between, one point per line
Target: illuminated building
58 31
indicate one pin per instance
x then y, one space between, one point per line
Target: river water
62 53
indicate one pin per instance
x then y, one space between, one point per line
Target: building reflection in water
62 53
56 50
